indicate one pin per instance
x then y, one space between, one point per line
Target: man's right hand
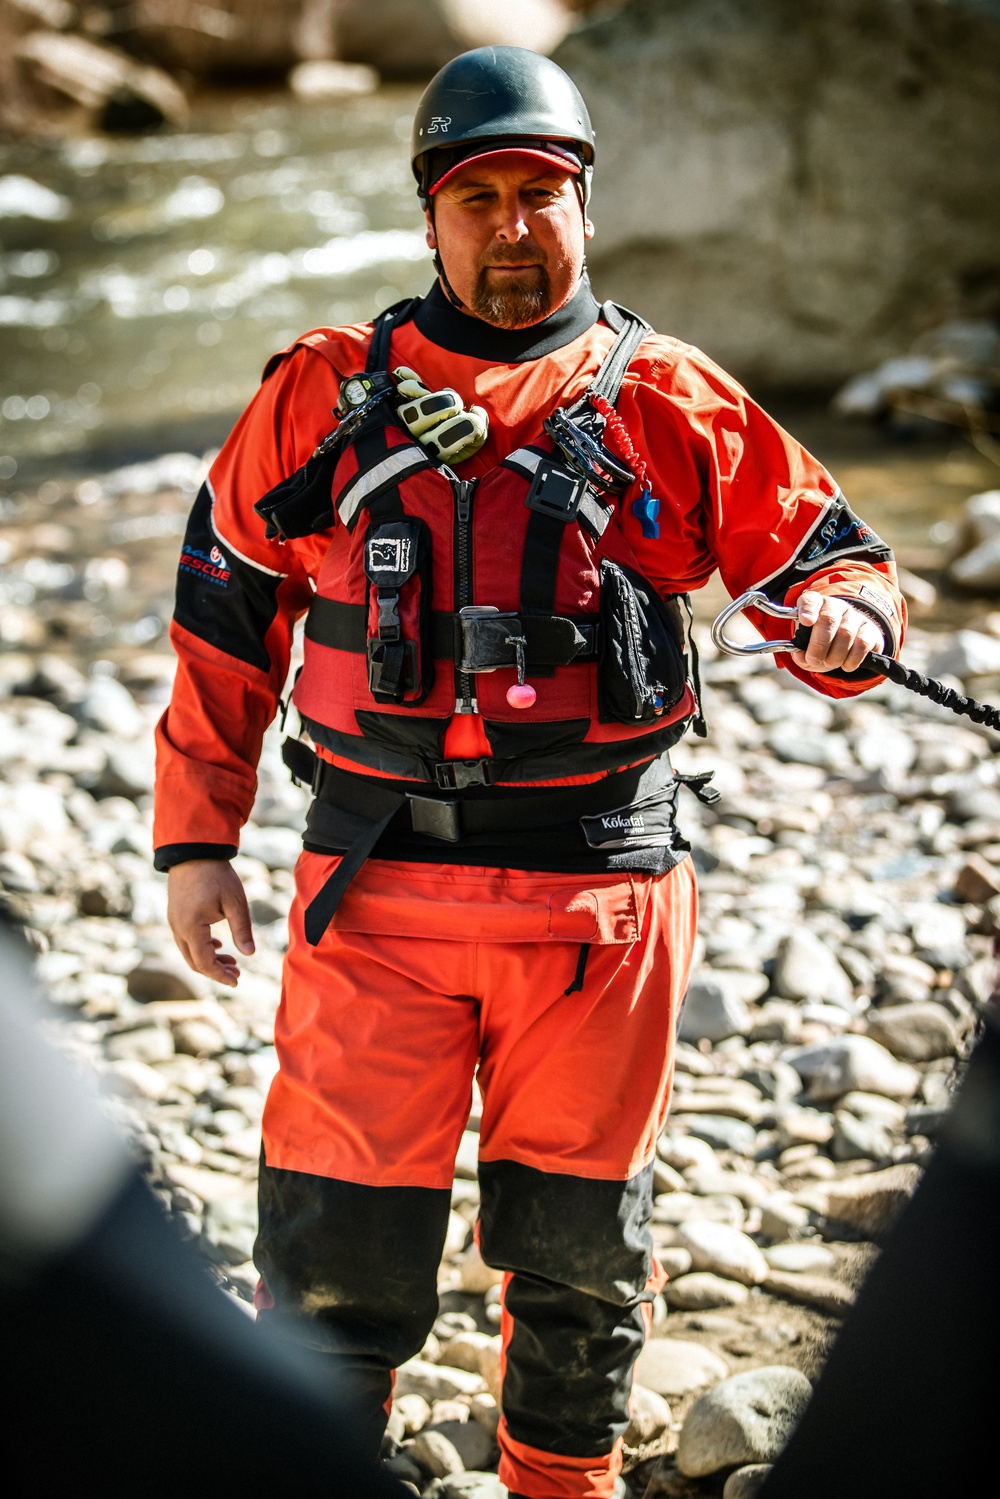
200 893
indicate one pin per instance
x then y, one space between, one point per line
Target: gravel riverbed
850 879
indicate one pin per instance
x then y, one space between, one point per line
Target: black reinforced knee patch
580 1255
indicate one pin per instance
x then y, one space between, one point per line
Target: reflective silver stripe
525 459
271 571
595 514
388 470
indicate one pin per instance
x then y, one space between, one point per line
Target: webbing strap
385 325
552 640
544 534
631 332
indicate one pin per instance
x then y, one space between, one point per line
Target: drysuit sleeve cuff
169 854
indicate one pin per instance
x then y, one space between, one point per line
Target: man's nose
510 226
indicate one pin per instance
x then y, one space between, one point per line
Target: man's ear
430 236
588 228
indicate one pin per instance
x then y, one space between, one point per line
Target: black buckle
388 615
392 669
456 775
556 492
438 819
487 637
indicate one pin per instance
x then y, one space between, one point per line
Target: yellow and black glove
439 419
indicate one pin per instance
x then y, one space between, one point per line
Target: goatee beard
517 305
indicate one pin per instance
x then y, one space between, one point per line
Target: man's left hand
841 636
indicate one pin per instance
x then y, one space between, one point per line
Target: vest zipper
465 687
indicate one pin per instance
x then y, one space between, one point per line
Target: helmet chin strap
438 263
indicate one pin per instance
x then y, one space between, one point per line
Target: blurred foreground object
122 1366
923 1335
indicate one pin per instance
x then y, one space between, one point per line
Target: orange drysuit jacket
737 493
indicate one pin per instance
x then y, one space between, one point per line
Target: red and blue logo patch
211 566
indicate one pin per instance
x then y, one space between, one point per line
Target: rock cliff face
797 189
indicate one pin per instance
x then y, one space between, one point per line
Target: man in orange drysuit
495 667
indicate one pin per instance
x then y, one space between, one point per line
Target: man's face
511 237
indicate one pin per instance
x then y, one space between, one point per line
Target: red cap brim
563 162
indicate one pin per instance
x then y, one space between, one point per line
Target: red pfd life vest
437 595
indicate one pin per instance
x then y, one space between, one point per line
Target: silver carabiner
751 600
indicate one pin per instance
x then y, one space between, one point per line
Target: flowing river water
144 282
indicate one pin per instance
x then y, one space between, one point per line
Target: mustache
515 255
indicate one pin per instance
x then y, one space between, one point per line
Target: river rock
746 1483
701 1291
857 1139
819 1291
969 653
850 1063
475 1276
484 1409
720 1132
724 1250
800 1259
806 969
413 38
871 1203
673 1367
165 976
148 1043
434 1452
435 1381
649 1416
230 1228
674 1261
467 1486
122 93
322 79
414 1412
747 1418
465 1350
977 881
705 191
780 1216
916 1032
713 1010
474 1445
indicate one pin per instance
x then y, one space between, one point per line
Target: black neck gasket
460 333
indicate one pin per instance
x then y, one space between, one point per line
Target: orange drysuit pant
563 991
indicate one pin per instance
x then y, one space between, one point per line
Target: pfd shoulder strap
385 325
631 330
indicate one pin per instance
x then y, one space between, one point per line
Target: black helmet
506 95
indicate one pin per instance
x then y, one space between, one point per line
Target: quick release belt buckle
455 775
438 819
487 638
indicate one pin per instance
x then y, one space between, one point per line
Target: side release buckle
456 775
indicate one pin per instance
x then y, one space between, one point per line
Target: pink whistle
521 695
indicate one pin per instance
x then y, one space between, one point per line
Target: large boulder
413 38
770 175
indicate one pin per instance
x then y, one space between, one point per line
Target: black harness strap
385 325
550 640
543 538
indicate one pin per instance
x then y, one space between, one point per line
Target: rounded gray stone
747 1418
746 1482
701 1291
673 1367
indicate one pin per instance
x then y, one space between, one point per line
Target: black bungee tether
874 664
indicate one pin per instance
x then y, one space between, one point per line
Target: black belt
366 805
478 641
